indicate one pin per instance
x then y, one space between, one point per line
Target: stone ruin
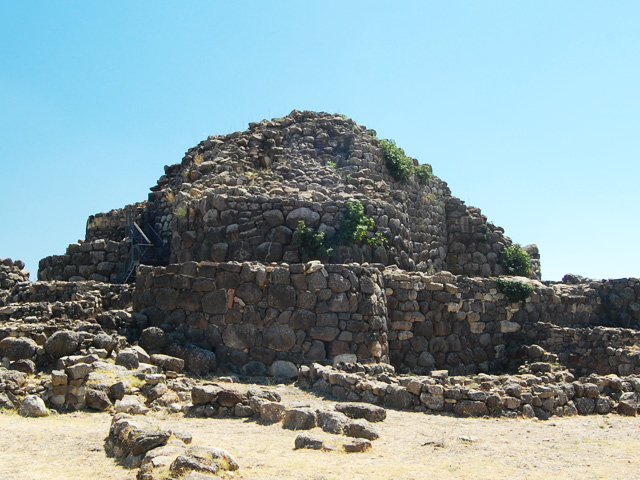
207 272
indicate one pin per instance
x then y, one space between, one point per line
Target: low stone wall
11 273
539 396
466 325
111 225
100 260
110 296
253 314
601 350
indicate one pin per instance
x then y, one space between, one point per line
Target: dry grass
70 446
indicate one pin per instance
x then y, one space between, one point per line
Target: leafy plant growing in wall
355 227
312 244
424 173
399 165
515 291
516 261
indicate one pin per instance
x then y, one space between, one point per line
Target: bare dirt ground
411 446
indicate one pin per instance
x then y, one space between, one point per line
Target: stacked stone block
253 315
99 260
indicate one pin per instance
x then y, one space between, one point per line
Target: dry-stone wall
11 273
255 316
111 225
99 260
466 325
540 396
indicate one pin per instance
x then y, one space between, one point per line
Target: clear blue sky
529 110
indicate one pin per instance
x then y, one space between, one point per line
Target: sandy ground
606 447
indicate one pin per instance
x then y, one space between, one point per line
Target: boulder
283 369
153 339
369 412
131 404
360 429
271 412
357 446
97 400
33 406
62 343
304 440
17 348
332 422
299 419
168 362
196 360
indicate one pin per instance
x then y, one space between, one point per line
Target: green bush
515 291
355 227
312 244
516 261
424 173
399 165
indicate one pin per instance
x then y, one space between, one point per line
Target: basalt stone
361 429
153 339
369 412
249 293
203 394
254 369
281 296
299 419
168 362
196 360
308 216
215 302
471 408
97 400
279 338
332 422
240 336
17 348
229 398
283 369
304 440
62 343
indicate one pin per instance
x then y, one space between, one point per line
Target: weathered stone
308 216
141 441
203 394
279 337
304 440
239 336
271 412
33 406
229 398
369 412
299 419
196 360
168 362
332 422
628 404
153 339
17 348
283 369
62 343
357 446
361 429
128 359
471 408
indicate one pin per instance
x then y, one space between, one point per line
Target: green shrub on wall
516 261
515 291
399 165
312 244
355 227
424 173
